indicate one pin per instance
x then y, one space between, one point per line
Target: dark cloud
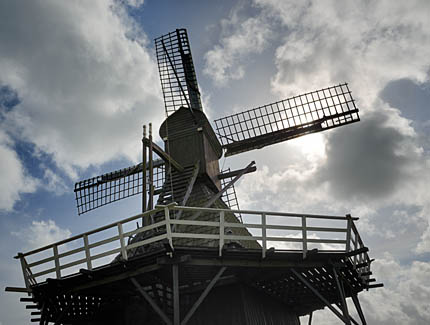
365 159
8 98
412 99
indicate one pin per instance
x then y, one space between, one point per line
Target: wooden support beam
144 222
310 318
350 317
165 156
173 260
202 296
357 251
151 302
341 292
353 320
16 289
376 285
215 197
236 172
358 308
263 263
151 172
223 280
176 311
189 190
319 296
362 264
118 277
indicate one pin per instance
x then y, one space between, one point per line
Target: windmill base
193 285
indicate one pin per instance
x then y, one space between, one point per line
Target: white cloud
14 178
403 299
85 77
376 164
365 43
135 3
41 233
53 182
240 38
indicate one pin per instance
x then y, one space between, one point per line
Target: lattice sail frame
101 190
290 118
177 72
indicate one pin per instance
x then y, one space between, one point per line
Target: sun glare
311 146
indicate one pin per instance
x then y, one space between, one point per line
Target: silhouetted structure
192 259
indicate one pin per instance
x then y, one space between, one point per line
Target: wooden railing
268 228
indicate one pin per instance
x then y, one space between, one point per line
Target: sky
78 79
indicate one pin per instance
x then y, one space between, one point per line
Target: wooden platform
96 294
168 282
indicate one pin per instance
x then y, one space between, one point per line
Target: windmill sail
98 191
177 73
287 119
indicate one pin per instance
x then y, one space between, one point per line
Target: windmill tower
192 258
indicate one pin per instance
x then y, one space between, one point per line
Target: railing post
168 226
348 233
24 270
57 262
121 240
355 247
264 234
87 253
221 232
304 237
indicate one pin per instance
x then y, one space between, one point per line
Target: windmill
192 243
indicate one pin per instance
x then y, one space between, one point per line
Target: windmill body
190 139
191 258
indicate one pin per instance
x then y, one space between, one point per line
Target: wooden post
310 318
151 173
144 222
304 237
57 262
348 233
358 308
121 240
87 253
176 314
221 232
264 234
355 246
24 270
342 298
168 226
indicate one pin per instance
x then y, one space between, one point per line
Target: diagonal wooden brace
203 296
151 302
319 296
342 297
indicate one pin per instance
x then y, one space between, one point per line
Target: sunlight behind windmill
194 256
